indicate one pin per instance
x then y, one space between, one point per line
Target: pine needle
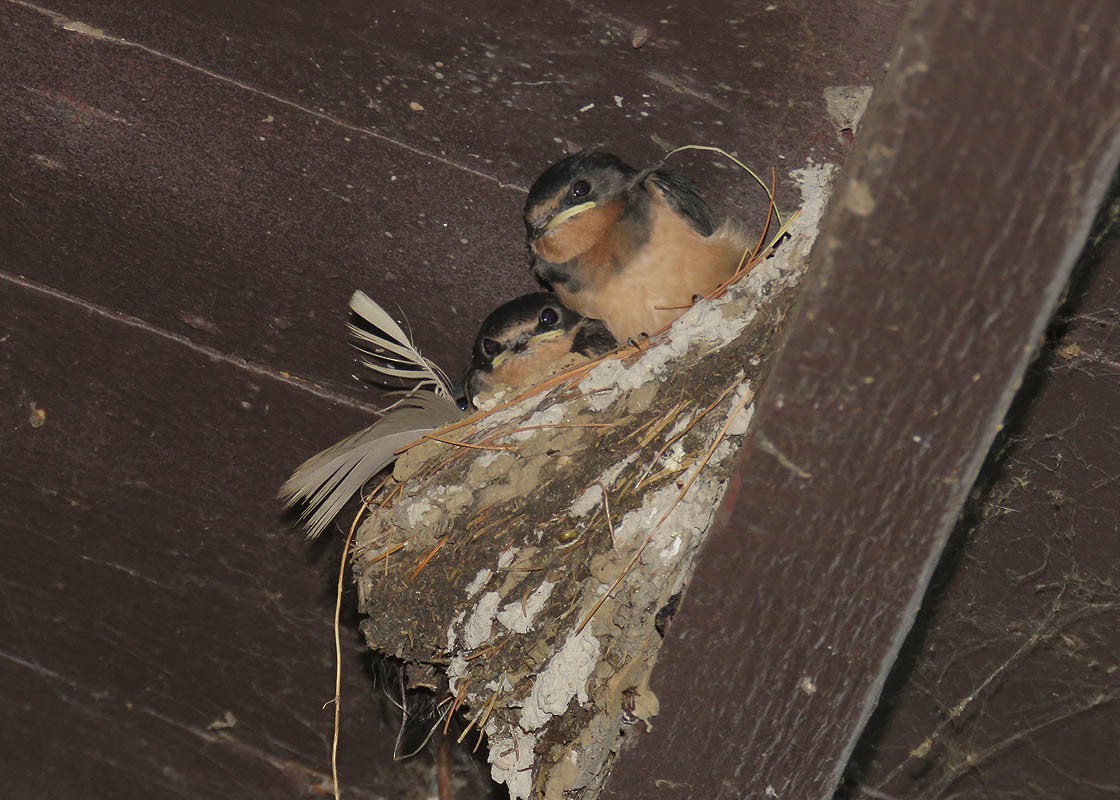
338 639
709 149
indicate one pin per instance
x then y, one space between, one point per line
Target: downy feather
398 356
325 482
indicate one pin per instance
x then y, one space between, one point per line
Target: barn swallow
528 339
630 247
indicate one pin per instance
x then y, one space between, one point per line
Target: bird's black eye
580 188
549 317
491 348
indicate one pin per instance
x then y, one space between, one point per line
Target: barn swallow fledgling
528 339
631 248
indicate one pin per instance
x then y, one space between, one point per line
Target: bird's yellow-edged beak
567 214
530 342
498 359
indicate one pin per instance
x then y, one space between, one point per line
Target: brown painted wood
1012 672
149 584
966 202
503 84
227 217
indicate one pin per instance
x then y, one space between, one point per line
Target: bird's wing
325 482
593 339
683 198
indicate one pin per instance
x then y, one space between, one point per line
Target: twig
338 638
426 560
460 696
443 770
707 410
469 446
482 722
709 149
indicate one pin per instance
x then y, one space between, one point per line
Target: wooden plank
226 217
503 86
1011 674
150 584
104 745
965 204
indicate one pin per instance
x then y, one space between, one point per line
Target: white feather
326 481
399 357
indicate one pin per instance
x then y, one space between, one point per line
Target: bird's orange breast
580 234
651 286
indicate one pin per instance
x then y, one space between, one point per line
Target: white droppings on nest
415 512
511 759
846 104
593 496
456 671
689 515
518 616
499 684
682 422
610 475
480 626
603 385
724 451
492 400
668 553
546 417
479 580
440 503
710 323
563 678
742 420
507 557
815 181
717 321
486 459
674 457
452 633
590 499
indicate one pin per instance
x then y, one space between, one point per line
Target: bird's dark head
519 343
574 202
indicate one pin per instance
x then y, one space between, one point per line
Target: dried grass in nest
527 551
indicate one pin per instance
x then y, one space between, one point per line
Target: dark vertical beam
964 205
1020 631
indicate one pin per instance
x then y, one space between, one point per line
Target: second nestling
529 339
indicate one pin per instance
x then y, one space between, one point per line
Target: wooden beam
964 205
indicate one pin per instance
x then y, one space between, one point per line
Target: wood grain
966 201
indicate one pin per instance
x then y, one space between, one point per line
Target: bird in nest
633 248
519 344
528 339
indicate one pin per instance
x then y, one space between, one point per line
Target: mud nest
527 564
